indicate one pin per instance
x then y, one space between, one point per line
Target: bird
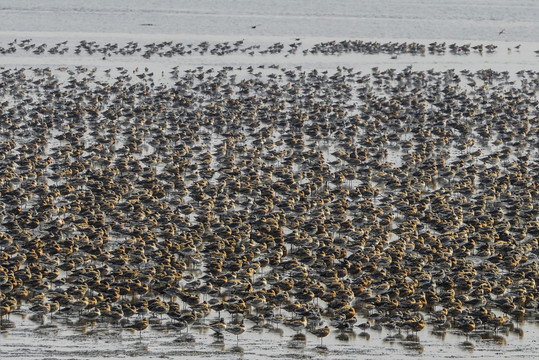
236 329
4 310
466 325
297 324
321 333
140 324
501 32
218 326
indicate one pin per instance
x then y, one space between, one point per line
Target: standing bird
236 329
140 325
4 310
321 333
466 325
218 326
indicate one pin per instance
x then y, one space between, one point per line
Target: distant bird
501 32
254 26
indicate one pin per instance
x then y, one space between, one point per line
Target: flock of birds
319 201
170 49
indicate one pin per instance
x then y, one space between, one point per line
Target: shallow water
411 19
284 21
56 340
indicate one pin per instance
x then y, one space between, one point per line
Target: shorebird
91 316
321 333
5 309
466 325
218 326
236 329
140 325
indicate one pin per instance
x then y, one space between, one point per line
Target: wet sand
182 196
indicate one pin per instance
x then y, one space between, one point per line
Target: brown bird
321 333
466 325
140 325
236 329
